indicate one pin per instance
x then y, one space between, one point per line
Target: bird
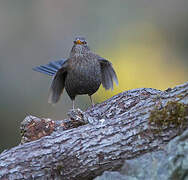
81 73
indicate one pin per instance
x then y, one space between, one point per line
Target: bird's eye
74 42
84 42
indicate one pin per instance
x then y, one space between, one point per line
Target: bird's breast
83 77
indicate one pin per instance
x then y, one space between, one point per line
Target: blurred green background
146 40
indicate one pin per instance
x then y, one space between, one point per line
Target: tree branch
123 127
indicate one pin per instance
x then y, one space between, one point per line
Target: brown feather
108 74
57 86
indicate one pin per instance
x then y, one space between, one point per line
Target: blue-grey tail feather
51 68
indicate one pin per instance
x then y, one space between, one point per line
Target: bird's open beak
78 42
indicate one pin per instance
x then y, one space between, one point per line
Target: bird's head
80 46
80 41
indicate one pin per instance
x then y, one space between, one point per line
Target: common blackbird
82 73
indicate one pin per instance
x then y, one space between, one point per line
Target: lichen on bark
173 114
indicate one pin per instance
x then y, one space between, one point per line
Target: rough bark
119 128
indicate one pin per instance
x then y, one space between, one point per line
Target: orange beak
78 42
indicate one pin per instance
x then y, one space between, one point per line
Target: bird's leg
73 104
91 101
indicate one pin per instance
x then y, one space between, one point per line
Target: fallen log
125 126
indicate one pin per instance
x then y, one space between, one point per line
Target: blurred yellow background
146 40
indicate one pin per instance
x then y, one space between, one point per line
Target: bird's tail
51 68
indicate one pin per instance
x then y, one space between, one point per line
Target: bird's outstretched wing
58 84
51 68
108 73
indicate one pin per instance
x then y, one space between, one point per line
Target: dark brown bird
82 73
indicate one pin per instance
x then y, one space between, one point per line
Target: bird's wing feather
51 68
58 83
108 73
